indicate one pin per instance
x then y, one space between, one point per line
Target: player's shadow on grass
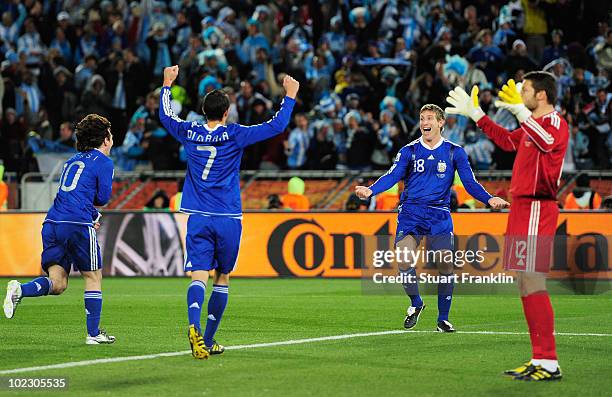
131 379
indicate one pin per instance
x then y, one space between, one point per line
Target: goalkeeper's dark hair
543 81
91 132
215 105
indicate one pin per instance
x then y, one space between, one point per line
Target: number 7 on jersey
211 159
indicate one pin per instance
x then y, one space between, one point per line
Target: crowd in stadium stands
366 67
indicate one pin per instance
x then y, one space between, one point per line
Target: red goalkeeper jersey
540 146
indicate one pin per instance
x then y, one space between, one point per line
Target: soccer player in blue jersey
211 195
427 166
69 230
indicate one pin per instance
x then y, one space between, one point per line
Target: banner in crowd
306 244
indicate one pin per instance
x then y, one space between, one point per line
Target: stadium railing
326 190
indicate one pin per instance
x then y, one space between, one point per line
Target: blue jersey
428 174
212 183
87 180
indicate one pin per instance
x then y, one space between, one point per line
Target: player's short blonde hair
434 108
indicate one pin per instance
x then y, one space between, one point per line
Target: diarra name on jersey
194 136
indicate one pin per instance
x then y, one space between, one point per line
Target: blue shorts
70 246
423 221
212 243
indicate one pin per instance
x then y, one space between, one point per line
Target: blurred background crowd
365 67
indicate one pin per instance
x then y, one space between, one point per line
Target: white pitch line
268 344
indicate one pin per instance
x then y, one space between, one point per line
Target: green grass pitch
149 316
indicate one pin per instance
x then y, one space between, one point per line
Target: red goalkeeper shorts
530 235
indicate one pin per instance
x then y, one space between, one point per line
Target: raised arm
247 135
467 105
505 139
544 134
171 122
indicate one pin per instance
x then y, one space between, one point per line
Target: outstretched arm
471 184
467 177
247 135
387 180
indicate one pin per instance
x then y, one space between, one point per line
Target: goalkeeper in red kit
540 144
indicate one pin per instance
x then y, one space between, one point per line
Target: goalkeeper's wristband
477 114
523 114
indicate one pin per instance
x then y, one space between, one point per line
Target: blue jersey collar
440 142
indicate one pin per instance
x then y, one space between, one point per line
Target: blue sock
412 288
445 298
216 307
93 309
38 287
195 300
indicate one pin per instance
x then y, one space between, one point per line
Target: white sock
536 361
549 365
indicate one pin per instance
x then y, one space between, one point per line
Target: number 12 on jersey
211 159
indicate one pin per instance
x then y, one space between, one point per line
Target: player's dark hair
215 105
543 81
434 108
91 132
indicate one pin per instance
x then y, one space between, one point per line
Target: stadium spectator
85 71
9 29
29 98
30 43
296 146
274 202
322 153
13 134
66 136
359 142
462 197
118 86
454 131
354 55
535 27
95 98
175 201
599 118
387 201
160 43
4 190
479 149
134 146
582 197
295 198
247 52
486 55
353 203
518 60
556 49
158 202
